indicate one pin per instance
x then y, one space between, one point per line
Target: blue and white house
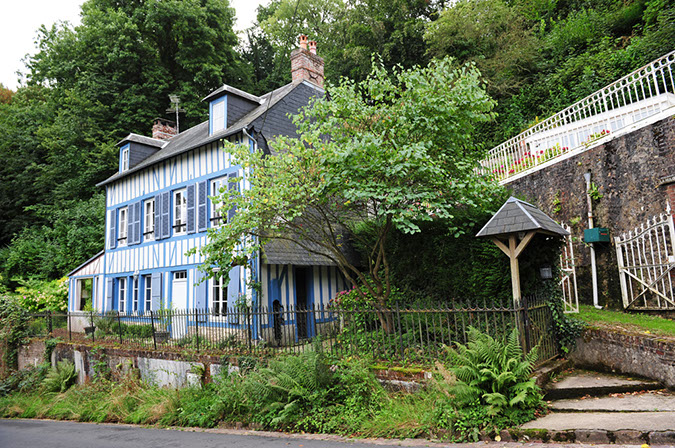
158 208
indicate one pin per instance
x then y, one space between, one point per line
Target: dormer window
124 163
218 115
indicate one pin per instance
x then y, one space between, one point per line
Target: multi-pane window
219 295
122 231
149 219
147 292
125 159
218 119
216 212
180 212
135 295
122 294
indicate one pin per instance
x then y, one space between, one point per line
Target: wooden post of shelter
512 229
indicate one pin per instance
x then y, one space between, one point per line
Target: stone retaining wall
635 354
628 172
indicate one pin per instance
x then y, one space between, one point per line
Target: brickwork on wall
636 354
629 173
306 64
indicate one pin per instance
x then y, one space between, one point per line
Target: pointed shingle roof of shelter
519 216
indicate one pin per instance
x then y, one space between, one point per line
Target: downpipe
594 269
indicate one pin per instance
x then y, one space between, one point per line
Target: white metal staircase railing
645 92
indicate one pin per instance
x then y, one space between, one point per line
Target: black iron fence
419 335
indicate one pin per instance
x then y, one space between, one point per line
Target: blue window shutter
233 287
201 206
233 188
138 214
108 294
130 224
158 217
156 290
200 290
166 214
112 229
191 209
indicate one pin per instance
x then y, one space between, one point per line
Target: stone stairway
592 407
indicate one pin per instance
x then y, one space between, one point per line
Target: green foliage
494 374
25 380
395 141
42 295
87 87
60 378
13 330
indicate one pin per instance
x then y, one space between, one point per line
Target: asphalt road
54 434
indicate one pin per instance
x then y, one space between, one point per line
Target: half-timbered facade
158 207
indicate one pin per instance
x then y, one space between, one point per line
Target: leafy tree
490 33
87 87
388 152
348 32
5 94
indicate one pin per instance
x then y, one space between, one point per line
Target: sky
20 20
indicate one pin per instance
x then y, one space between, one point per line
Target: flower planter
89 330
161 337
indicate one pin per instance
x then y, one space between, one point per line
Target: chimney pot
303 41
163 129
307 65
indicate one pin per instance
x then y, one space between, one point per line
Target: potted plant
163 323
89 330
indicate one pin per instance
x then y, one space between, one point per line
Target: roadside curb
589 436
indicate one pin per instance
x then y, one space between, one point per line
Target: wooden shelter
512 229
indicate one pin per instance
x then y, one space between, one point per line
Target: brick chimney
163 129
306 64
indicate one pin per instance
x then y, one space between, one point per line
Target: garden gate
646 260
568 274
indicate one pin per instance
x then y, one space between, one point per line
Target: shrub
13 330
41 295
60 378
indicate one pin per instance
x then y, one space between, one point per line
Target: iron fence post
119 326
49 323
91 321
248 325
70 328
400 332
526 325
152 324
197 327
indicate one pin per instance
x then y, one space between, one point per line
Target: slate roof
198 135
282 251
229 89
142 139
519 216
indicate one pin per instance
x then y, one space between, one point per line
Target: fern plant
285 390
60 378
494 373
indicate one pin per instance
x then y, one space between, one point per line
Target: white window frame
147 293
122 226
219 286
149 219
125 159
180 212
218 116
217 218
134 296
122 295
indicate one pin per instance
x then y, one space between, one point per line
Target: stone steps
653 401
596 384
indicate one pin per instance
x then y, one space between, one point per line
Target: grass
634 322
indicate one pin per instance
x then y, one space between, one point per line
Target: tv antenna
175 108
